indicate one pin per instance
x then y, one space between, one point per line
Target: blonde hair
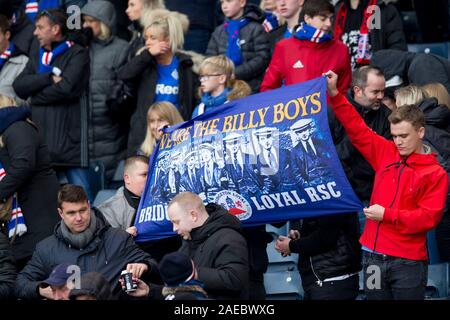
223 65
6 101
281 20
408 95
240 90
153 4
219 65
438 91
170 25
168 112
105 31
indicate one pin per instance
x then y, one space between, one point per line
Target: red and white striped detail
6 54
47 58
17 212
317 35
32 7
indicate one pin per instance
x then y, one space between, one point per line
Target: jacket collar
10 115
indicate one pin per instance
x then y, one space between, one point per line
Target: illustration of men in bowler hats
211 176
190 179
160 181
268 160
238 167
173 175
309 154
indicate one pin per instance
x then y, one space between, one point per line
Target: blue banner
266 158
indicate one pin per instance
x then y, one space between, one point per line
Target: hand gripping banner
265 158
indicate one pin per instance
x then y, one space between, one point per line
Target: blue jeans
392 278
78 176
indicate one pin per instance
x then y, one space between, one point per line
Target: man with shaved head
212 239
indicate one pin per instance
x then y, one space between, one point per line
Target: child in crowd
310 52
243 39
217 82
159 115
273 19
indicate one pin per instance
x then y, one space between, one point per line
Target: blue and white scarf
33 7
6 55
46 58
233 28
307 32
16 226
270 22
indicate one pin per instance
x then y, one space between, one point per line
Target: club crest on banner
236 204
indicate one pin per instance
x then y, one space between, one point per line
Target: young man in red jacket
407 200
310 52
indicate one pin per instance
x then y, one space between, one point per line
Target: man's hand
282 245
332 79
161 47
374 212
56 79
132 230
142 289
46 292
137 269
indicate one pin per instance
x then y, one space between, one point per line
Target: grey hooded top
107 140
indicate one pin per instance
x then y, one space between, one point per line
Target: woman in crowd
159 115
438 91
25 175
135 10
107 137
162 73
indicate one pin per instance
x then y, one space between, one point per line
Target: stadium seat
433 252
285 285
438 281
438 48
275 232
103 195
438 272
117 179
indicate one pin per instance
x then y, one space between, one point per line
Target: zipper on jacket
395 195
319 282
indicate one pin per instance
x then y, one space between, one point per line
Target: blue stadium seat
103 195
438 272
117 179
433 252
438 48
275 232
438 281
284 285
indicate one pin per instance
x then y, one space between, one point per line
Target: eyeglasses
207 76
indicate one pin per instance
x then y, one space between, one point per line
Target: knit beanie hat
176 268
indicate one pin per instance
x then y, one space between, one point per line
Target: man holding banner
407 201
262 125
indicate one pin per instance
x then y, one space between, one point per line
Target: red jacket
295 61
412 191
